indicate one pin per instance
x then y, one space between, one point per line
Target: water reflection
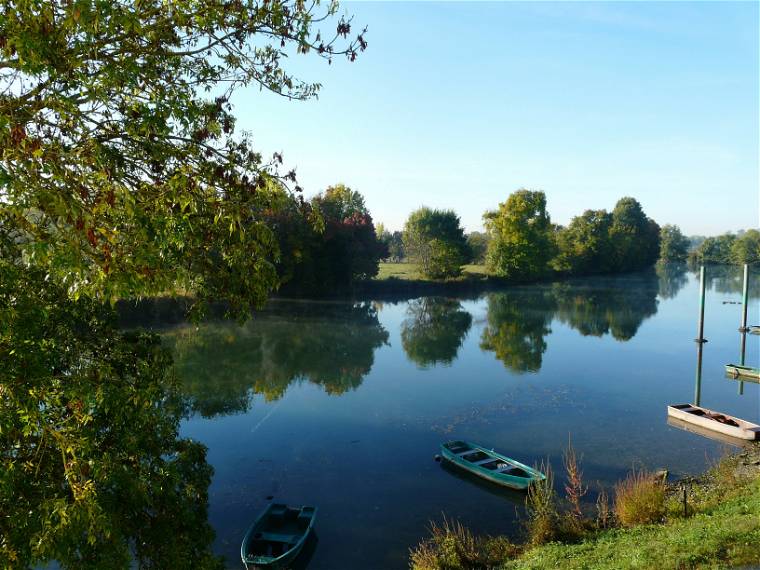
93 472
672 277
728 279
221 365
597 312
517 322
434 330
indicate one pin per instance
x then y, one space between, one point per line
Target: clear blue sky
455 105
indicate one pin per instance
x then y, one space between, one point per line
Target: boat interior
482 459
280 530
689 409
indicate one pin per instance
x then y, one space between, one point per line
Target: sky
456 105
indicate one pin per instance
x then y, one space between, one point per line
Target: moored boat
708 433
716 421
489 465
277 536
754 329
741 371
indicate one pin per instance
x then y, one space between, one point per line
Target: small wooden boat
716 421
277 536
489 465
708 433
754 329
740 371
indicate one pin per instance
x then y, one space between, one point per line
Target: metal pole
701 329
698 382
745 299
742 352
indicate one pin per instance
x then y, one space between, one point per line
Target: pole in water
745 298
701 328
743 328
698 379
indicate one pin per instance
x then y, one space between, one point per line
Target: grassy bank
410 272
720 529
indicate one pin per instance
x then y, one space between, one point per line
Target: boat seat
466 452
277 537
484 461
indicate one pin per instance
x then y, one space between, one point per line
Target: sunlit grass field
410 271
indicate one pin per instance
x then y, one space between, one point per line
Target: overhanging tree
120 169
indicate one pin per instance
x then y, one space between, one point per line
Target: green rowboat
277 536
739 371
489 465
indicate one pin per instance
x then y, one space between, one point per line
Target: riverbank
720 528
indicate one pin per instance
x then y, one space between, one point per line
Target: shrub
452 546
603 511
639 499
542 509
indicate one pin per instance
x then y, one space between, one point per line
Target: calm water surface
343 405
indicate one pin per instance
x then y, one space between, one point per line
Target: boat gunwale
504 479
746 430
273 561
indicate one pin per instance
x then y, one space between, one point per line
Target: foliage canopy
120 171
520 233
435 239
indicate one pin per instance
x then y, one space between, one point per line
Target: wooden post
745 298
698 380
743 328
701 328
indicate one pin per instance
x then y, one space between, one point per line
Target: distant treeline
330 242
731 249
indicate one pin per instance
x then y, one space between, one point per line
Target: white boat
715 421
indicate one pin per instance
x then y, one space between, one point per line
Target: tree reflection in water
222 365
434 330
518 320
93 472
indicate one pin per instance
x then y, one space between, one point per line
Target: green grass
410 271
725 534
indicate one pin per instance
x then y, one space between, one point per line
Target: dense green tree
746 248
120 173
674 246
584 247
435 240
433 330
520 236
396 250
714 250
635 237
392 242
478 242
327 244
92 472
350 249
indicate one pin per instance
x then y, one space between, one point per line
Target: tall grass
640 499
452 546
541 505
574 487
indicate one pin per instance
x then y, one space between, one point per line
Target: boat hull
511 482
740 371
281 530
744 430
